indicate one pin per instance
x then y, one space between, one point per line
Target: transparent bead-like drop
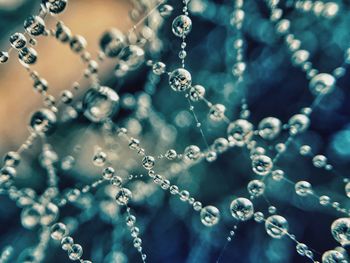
184 195
117 181
272 209
210 215
217 112
133 56
319 161
276 226
269 128
256 188
220 145
165 10
211 156
258 217
171 154
34 25
181 26
67 242
30 216
298 123
66 96
242 209
192 152
305 150
58 231
55 6
100 158
340 229
49 215
300 57
333 256
112 42
324 200
4 57
63 33
100 103
18 40
180 79
27 56
158 68
75 252
77 43
347 189
197 92
303 188
6 174
123 196
301 249
322 83
197 206
240 132
43 121
108 173
262 165
130 220
134 144
12 159
40 85
148 162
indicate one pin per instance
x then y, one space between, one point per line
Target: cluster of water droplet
100 104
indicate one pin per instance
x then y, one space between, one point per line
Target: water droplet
256 188
18 40
303 188
301 248
100 103
180 79
55 6
240 132
242 209
58 231
322 83
75 252
158 68
165 10
333 256
319 161
269 128
67 242
192 152
77 43
276 226
148 162
181 26
210 215
341 230
108 173
34 25
298 123
4 57
217 112
133 56
30 216
262 165
197 92
43 121
100 158
27 56
123 196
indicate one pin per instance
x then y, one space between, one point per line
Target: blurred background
171 231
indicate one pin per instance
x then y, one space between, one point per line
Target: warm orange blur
56 63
